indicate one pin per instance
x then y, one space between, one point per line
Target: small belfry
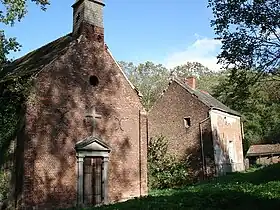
88 12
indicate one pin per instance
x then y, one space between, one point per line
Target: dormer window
187 122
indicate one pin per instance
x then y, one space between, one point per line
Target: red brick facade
194 132
167 118
55 122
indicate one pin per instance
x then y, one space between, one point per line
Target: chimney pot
191 82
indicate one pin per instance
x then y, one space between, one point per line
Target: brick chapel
84 137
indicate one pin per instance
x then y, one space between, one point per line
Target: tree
250 34
149 78
206 79
10 12
259 105
190 69
11 95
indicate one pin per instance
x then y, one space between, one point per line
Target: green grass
255 189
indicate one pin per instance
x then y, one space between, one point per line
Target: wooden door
92 181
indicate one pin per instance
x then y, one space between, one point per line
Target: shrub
164 171
4 185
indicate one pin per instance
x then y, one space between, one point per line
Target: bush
164 171
4 185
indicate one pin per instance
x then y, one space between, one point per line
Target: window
78 17
99 38
187 122
93 80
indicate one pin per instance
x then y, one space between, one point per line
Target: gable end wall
55 122
166 118
227 128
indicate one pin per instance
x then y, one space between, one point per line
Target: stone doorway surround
92 147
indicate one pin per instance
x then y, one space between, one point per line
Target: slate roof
263 149
207 99
34 61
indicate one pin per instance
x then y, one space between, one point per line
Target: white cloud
203 50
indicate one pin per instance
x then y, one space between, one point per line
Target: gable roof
206 98
263 149
36 60
123 73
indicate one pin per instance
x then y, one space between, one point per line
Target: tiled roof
263 149
207 99
34 61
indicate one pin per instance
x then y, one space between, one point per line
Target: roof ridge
207 99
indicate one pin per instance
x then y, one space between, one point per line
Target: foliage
249 32
6 45
190 69
12 93
10 12
206 78
4 185
9 124
255 96
259 103
151 79
255 189
164 171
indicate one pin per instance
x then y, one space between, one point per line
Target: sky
170 32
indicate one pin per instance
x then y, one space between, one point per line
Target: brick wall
143 152
166 118
55 122
87 11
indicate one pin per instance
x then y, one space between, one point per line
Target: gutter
202 146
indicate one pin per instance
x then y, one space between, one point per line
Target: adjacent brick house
198 127
263 154
84 136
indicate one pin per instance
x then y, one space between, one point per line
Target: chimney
191 82
89 14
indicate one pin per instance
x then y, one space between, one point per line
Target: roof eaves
11 75
190 91
222 110
261 153
202 101
126 78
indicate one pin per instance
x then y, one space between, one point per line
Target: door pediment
92 144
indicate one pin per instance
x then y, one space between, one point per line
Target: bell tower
88 14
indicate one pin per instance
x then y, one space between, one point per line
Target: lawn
255 189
